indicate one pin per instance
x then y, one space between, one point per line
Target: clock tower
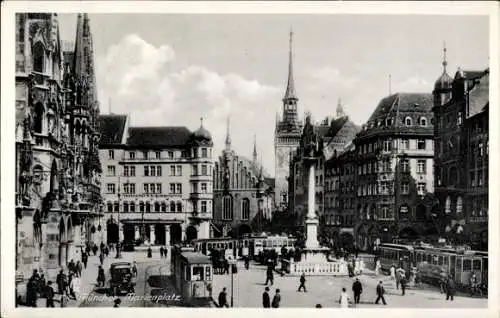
286 137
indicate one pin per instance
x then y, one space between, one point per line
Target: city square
152 172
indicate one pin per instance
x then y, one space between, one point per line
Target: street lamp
233 270
118 246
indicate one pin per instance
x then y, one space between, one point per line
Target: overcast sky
173 69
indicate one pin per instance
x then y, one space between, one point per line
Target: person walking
377 268
60 281
302 282
344 299
269 276
101 258
266 299
403 282
79 268
223 298
380 293
165 252
134 269
393 272
161 251
450 288
31 294
101 278
49 295
85 259
276 299
357 289
150 252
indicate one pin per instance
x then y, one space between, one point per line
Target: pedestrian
357 289
344 299
226 266
269 276
106 251
377 267
42 284
442 282
266 299
247 262
161 252
102 247
117 302
49 295
64 300
150 252
94 249
380 293
101 278
85 259
302 282
223 298
134 269
60 281
31 294
276 299
79 268
165 252
350 270
450 288
87 250
404 282
393 272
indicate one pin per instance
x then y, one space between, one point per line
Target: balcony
201 215
201 195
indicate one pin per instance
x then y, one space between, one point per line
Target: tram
259 244
192 275
396 254
225 245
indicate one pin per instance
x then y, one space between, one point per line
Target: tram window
476 265
198 273
440 260
429 260
446 260
467 265
208 274
187 276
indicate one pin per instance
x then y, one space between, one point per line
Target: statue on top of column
310 142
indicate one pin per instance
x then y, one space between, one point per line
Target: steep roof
270 182
336 125
400 103
159 137
479 94
112 128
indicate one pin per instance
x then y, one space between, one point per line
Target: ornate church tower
286 137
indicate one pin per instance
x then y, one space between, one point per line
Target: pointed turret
254 149
340 109
228 137
290 88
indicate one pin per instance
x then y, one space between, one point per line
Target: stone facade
395 179
461 157
243 195
157 182
57 166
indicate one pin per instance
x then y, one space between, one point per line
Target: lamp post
118 246
233 266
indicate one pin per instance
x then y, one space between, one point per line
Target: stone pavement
249 286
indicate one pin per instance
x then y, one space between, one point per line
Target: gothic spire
290 88
445 63
228 137
254 149
340 109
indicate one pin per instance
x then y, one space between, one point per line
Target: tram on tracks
192 275
432 262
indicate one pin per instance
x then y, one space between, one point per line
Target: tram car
259 244
224 245
192 275
395 254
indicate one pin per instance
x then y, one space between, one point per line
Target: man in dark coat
161 251
302 282
49 294
101 278
61 282
357 289
85 259
403 283
31 294
269 275
276 299
380 293
450 288
223 298
266 300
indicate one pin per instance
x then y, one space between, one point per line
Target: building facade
157 182
57 165
286 138
461 156
340 198
243 194
395 176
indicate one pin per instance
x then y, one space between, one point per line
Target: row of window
205 153
156 171
385 165
342 220
227 208
155 207
390 144
149 188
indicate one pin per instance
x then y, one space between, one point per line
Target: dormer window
408 121
423 121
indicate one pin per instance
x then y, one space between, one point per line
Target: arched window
227 208
423 121
447 205
163 207
38 120
179 206
408 121
110 207
459 205
38 57
141 206
172 206
125 207
157 207
245 209
132 206
148 207
116 206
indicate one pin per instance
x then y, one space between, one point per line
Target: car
121 278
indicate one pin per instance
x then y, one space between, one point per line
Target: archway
244 229
69 231
191 233
128 233
408 233
421 212
112 232
175 233
160 234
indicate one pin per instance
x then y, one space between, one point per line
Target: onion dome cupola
443 85
202 135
